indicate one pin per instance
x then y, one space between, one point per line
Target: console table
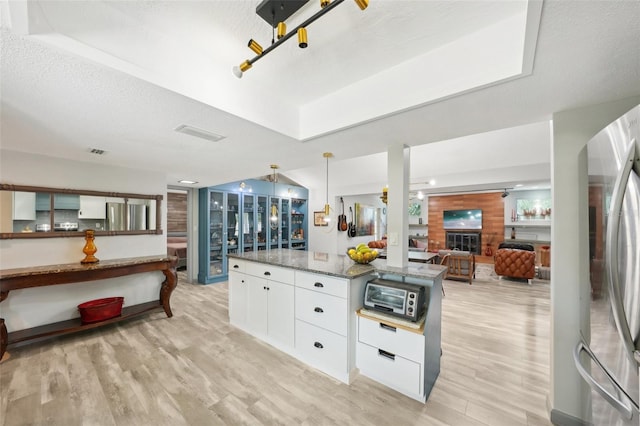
42 276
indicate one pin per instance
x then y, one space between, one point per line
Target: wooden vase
89 248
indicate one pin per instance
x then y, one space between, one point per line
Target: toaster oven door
385 298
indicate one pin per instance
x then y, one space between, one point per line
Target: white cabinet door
24 205
92 207
280 321
238 299
257 305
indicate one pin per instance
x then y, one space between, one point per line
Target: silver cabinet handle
611 249
626 409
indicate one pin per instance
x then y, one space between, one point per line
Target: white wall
43 305
527 230
570 290
343 240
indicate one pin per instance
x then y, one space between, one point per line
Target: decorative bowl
100 309
362 257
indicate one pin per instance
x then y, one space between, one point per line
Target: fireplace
466 241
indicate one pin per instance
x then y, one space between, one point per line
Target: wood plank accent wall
596 200
176 212
492 207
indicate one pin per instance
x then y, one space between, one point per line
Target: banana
360 246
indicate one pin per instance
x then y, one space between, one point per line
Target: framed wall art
318 219
365 218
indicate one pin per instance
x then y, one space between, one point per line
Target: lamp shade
282 30
362 4
253 45
302 38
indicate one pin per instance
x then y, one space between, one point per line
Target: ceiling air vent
97 151
199 133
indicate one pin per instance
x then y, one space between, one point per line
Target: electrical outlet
393 238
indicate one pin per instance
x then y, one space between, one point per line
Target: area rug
485 272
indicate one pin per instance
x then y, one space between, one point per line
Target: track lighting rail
238 71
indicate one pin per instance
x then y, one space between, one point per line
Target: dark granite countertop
338 265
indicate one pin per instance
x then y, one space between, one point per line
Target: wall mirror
39 212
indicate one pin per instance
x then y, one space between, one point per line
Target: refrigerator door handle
611 249
626 408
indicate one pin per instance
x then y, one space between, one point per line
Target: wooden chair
459 266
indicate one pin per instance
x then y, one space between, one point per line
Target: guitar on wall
342 218
352 226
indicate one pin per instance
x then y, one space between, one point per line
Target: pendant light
327 208
274 206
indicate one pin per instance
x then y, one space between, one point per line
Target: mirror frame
62 234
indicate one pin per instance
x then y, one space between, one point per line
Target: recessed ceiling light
432 182
519 185
189 182
199 133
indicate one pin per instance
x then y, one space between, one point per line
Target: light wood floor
196 369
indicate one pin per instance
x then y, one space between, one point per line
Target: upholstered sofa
460 264
515 260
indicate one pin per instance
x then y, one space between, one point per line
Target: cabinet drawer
270 272
323 283
321 348
395 340
389 369
323 310
237 265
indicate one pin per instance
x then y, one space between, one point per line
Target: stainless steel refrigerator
608 359
127 217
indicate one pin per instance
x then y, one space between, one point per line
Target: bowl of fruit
362 253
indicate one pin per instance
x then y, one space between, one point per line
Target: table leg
4 338
168 285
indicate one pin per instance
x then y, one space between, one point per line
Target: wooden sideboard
42 276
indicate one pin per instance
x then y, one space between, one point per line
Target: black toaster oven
395 298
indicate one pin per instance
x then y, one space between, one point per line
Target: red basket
100 309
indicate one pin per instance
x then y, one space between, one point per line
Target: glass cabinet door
298 224
248 220
274 223
216 234
284 224
233 210
261 222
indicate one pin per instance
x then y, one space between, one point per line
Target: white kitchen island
305 303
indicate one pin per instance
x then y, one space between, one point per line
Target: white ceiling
480 78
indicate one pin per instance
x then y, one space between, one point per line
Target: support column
398 156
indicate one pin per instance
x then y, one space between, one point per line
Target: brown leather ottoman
515 263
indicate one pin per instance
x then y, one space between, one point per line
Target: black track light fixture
275 12
505 194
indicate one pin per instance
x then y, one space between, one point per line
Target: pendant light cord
327 200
